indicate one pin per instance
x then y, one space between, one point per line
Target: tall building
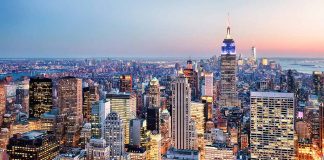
153 117
209 82
321 119
125 83
272 125
154 93
90 96
2 103
99 112
228 93
70 105
153 110
181 116
318 84
208 107
97 149
114 135
192 76
124 104
40 96
154 146
197 114
33 145
22 95
138 132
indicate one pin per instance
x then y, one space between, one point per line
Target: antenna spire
228 35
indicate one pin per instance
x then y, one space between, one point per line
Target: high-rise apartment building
70 105
40 96
228 93
125 83
272 125
99 112
33 145
181 103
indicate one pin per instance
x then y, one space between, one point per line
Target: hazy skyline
169 28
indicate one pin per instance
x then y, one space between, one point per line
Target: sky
161 28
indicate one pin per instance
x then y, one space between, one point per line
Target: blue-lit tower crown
228 47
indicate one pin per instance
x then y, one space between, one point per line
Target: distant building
272 125
33 145
40 96
125 83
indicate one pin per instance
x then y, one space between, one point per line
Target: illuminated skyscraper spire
228 35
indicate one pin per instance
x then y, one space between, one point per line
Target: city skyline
173 29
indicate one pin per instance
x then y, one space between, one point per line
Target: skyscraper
40 96
321 119
272 125
318 84
153 117
181 116
228 93
125 83
138 133
90 95
192 77
125 105
153 110
209 82
70 105
2 102
154 93
114 135
154 146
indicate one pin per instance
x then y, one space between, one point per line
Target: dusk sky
178 28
